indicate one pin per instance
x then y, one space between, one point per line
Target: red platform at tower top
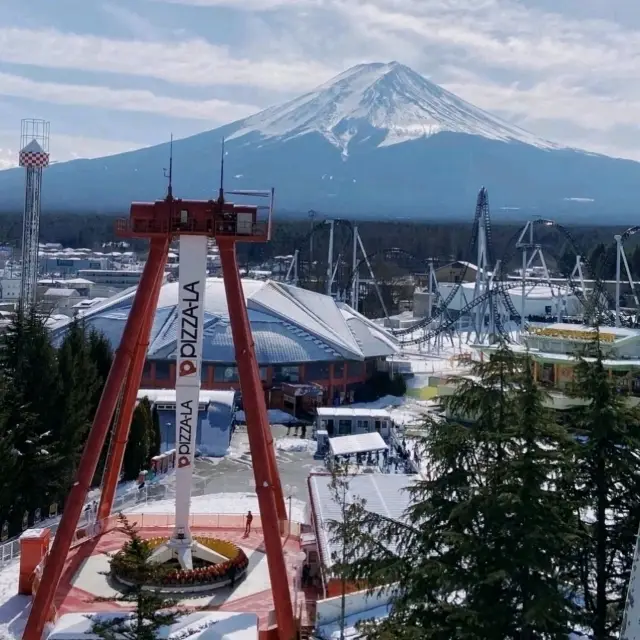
214 218
161 222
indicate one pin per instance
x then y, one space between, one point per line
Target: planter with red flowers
171 578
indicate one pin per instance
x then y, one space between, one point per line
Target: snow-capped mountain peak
389 97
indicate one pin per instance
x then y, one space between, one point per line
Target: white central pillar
192 282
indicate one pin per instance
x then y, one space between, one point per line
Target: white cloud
565 78
502 33
248 5
212 111
189 62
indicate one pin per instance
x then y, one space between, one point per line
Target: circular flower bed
201 575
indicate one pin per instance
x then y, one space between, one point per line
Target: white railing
11 549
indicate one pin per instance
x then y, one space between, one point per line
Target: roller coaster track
499 288
482 210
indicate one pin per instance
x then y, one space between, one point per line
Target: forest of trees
526 525
439 240
48 396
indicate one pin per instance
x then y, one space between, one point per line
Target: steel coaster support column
121 430
354 268
618 252
257 425
330 258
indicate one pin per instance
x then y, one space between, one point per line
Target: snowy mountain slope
389 97
379 140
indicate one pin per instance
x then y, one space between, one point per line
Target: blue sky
119 74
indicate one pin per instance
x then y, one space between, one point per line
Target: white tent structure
360 443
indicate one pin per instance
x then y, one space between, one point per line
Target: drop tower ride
34 157
193 222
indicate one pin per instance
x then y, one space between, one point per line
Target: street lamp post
290 491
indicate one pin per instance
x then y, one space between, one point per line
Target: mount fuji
379 140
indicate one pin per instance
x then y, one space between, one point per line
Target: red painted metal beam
120 433
257 424
271 458
54 566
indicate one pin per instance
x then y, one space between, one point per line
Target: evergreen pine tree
156 440
101 355
136 454
28 364
33 462
608 490
482 550
152 611
77 387
28 391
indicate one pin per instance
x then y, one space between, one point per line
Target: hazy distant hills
377 141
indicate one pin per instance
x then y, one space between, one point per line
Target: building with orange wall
555 349
301 338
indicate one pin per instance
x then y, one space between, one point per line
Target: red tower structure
161 222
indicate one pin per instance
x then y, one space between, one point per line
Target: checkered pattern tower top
33 155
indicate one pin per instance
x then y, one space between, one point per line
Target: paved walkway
81 583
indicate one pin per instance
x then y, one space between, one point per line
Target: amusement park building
301 338
540 299
555 348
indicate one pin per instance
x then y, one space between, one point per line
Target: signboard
571 334
192 283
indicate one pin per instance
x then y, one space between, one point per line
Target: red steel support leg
271 458
121 431
75 502
257 423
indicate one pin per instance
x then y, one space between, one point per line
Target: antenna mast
169 175
221 191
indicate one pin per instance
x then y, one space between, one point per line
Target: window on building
338 369
286 373
355 369
316 371
204 373
344 427
163 370
363 425
263 373
225 373
146 372
547 374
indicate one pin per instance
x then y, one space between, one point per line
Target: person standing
247 528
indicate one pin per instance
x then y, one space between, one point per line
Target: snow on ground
220 503
332 631
13 608
275 417
295 444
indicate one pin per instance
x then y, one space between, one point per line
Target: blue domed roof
289 325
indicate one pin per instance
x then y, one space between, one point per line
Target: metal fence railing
11 549
207 521
88 528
